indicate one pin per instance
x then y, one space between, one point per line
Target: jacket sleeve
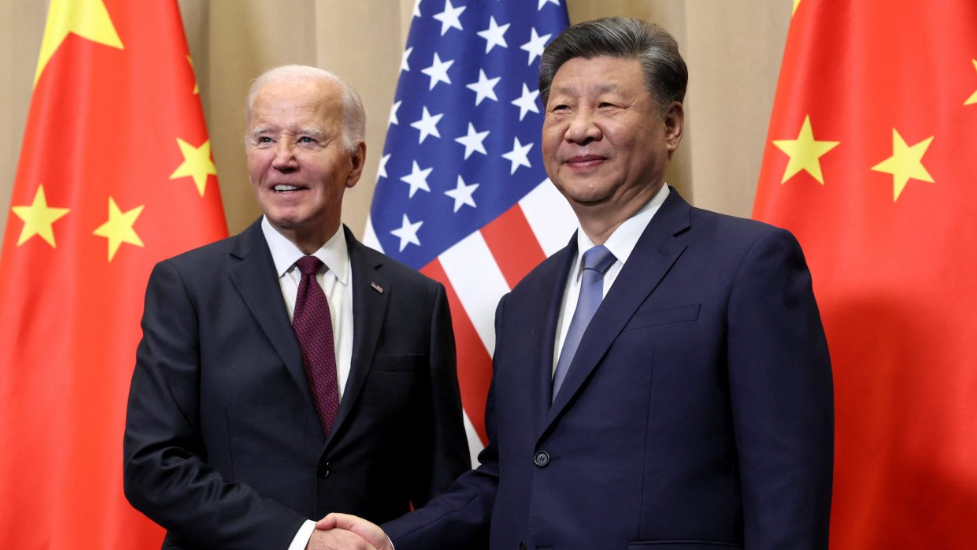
459 518
166 475
446 456
781 396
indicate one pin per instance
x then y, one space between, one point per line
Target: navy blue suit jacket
223 446
697 412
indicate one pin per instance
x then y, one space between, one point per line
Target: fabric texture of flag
871 163
461 190
115 174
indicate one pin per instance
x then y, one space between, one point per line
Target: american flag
461 191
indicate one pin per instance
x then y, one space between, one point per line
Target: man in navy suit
227 444
694 410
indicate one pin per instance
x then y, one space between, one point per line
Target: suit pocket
665 316
398 363
680 545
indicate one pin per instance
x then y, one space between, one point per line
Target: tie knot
309 265
598 258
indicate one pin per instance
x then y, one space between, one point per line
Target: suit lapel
552 284
257 282
655 252
369 314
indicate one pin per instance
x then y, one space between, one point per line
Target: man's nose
583 128
284 155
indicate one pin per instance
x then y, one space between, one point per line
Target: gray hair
354 116
666 75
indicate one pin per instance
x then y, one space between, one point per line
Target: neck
307 241
600 220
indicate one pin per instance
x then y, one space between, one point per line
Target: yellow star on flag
119 229
196 164
38 218
973 98
905 163
796 3
87 18
805 153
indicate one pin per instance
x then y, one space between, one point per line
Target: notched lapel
554 282
654 254
369 313
257 282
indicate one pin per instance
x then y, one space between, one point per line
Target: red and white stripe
478 271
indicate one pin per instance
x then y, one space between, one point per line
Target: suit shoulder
732 229
394 269
204 256
545 274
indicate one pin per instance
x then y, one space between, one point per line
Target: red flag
871 161
115 174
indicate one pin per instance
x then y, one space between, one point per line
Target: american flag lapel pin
377 287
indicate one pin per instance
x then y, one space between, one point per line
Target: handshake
346 532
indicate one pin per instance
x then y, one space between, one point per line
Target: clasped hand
346 532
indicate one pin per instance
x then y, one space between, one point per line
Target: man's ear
674 120
357 158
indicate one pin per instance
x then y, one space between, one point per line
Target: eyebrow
312 131
305 131
599 88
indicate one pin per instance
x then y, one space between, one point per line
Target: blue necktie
596 262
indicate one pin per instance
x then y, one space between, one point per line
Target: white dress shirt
620 243
336 280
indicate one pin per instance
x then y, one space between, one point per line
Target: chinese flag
871 161
115 174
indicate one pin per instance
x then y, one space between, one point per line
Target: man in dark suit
240 430
694 409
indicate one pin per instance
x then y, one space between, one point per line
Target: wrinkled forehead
297 104
597 75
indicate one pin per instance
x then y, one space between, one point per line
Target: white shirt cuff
301 539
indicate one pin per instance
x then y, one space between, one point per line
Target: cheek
551 139
257 162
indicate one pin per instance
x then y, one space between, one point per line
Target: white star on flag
462 194
438 71
494 35
485 87
407 233
417 8
449 18
382 169
473 142
526 102
535 46
404 66
417 180
428 125
544 2
518 156
393 114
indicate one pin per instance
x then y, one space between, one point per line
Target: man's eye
605 104
305 139
558 108
263 139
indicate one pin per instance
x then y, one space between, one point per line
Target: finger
357 525
328 522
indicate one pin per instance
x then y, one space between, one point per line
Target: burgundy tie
313 328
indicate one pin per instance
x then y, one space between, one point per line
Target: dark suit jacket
223 446
697 413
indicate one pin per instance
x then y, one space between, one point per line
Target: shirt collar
284 252
622 242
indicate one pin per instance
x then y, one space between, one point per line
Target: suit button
522 546
541 459
324 470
